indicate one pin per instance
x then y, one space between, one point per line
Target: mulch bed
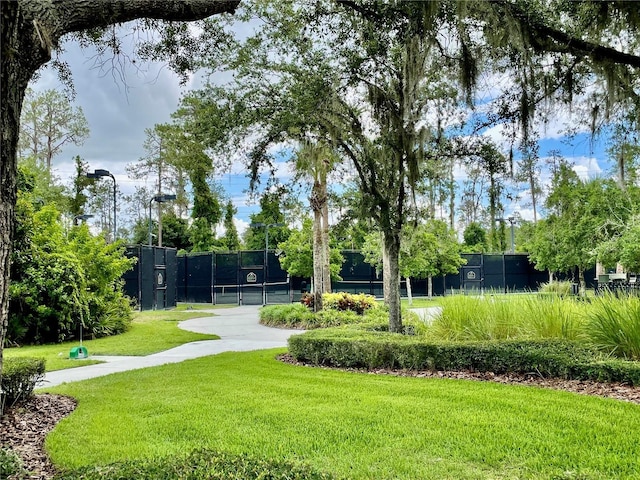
24 428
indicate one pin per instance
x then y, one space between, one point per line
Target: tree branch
553 40
60 17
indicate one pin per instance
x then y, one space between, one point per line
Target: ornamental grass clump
475 318
613 325
549 317
499 318
294 315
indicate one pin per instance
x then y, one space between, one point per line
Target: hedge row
199 465
19 377
549 358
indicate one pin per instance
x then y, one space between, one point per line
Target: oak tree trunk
391 279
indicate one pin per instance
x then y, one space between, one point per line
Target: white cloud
586 167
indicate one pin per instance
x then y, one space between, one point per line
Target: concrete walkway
427 314
237 327
239 331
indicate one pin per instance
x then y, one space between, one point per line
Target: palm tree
314 161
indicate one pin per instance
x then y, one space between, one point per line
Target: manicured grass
356 425
150 332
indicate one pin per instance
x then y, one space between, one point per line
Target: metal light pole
106 173
161 198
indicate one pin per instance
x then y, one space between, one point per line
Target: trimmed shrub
368 349
294 315
609 371
199 465
19 378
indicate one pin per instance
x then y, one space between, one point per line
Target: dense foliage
297 253
354 302
62 278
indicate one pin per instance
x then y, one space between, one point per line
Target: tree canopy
373 80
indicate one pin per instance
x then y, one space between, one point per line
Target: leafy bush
63 279
308 300
333 318
20 375
344 347
11 465
342 301
613 325
199 465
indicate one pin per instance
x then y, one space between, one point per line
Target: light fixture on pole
161 198
98 173
81 218
512 222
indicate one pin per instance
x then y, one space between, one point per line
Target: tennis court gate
240 278
151 283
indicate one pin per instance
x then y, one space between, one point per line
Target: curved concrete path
239 331
237 327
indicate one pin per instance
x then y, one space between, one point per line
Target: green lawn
150 332
356 425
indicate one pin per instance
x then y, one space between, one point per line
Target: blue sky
120 109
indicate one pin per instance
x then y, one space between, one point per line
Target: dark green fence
245 278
